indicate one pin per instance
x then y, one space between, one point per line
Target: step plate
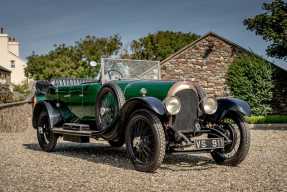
76 126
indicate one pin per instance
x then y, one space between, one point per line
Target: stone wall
15 118
205 63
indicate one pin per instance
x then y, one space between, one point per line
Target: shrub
267 119
22 88
250 79
21 91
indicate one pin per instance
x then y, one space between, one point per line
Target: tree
250 79
72 61
159 45
272 26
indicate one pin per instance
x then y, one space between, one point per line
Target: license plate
213 143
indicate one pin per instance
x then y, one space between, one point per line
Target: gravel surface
98 167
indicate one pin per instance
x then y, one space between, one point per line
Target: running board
62 131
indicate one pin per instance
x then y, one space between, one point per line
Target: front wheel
234 152
145 141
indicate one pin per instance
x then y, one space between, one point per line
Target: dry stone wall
15 118
206 63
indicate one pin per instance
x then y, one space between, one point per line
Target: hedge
267 119
250 79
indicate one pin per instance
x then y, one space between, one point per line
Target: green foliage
272 26
22 88
250 79
267 119
72 61
159 45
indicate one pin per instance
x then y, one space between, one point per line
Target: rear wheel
46 138
145 141
234 127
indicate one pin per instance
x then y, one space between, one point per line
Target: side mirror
93 63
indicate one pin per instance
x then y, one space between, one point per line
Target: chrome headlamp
210 105
172 105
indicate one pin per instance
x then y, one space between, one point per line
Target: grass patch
267 119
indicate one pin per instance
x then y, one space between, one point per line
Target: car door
63 94
76 100
90 91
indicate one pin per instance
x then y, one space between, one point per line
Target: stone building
10 57
5 75
206 61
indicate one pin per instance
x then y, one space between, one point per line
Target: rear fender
50 108
231 105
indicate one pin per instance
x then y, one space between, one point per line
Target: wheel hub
40 130
137 142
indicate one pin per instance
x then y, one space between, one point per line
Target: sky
39 24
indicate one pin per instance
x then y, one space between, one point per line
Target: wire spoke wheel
145 140
142 141
232 131
45 132
236 149
108 109
46 138
109 102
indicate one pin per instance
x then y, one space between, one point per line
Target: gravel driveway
98 167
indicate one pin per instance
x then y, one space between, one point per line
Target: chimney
13 45
1 30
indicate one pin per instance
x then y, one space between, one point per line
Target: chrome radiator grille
186 118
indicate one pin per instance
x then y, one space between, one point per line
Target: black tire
224 156
117 143
145 139
116 95
47 140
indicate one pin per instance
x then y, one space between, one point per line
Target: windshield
115 69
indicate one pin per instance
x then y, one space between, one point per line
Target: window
12 64
207 52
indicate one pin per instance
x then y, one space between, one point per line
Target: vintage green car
151 117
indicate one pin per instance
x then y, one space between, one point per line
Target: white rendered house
10 58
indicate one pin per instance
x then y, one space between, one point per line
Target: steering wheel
113 70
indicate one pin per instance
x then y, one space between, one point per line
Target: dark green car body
81 99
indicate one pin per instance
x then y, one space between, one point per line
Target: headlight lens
210 106
172 105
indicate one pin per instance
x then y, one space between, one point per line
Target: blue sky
39 24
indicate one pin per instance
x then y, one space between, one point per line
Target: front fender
227 105
54 114
150 103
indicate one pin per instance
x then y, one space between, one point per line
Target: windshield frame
104 77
